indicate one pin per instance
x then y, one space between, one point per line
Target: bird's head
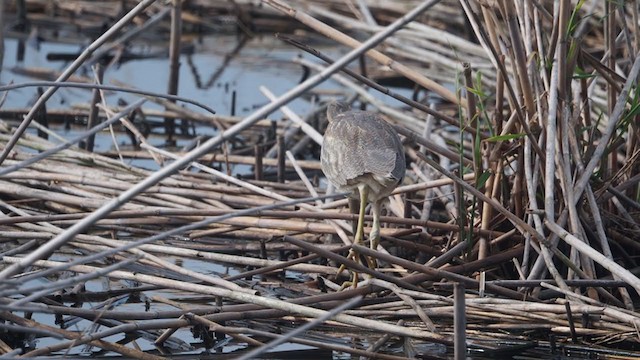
336 108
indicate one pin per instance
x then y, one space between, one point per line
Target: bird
362 154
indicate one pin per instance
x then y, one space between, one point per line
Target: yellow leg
374 237
364 191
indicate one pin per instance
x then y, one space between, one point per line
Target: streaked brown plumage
363 154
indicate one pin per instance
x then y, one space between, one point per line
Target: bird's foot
354 275
374 240
350 283
371 263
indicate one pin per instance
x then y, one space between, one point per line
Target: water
218 66
208 75
243 72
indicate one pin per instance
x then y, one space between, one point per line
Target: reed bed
514 232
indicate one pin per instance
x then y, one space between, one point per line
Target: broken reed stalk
154 96
115 347
86 54
59 240
174 61
376 86
317 344
283 339
68 144
460 322
374 54
249 298
93 114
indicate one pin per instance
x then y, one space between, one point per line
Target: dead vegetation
518 219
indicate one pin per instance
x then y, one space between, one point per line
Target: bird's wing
379 142
362 144
333 159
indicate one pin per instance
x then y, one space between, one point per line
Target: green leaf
483 179
581 74
498 138
476 92
573 19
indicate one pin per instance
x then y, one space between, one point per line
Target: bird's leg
374 235
363 190
354 208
